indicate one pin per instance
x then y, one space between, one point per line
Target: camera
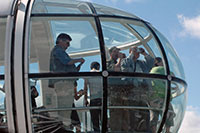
139 50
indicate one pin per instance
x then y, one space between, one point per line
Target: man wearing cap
61 62
115 59
118 122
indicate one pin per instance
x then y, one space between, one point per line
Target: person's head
95 65
114 52
63 40
158 61
135 51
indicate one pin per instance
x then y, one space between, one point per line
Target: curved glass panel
175 64
73 103
116 34
60 7
43 48
141 30
141 101
178 102
104 10
130 46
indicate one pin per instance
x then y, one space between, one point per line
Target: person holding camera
138 88
133 64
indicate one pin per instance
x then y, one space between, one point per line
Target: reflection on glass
67 99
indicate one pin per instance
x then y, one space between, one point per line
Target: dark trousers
74 117
96 113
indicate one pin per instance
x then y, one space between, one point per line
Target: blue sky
179 21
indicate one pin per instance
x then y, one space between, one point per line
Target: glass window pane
175 64
100 9
43 48
130 46
140 100
60 7
178 102
65 104
141 30
115 33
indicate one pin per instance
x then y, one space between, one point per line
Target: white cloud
191 26
191 121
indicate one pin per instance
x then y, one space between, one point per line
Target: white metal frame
23 116
8 91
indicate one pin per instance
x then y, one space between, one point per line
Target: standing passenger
60 62
118 119
95 86
157 99
138 88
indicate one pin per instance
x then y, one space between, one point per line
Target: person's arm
65 59
126 64
118 64
79 66
78 94
86 92
73 61
149 61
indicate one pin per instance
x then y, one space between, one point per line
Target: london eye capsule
72 66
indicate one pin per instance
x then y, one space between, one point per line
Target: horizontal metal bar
95 107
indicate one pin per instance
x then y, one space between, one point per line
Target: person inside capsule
94 85
60 62
137 88
158 97
117 121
